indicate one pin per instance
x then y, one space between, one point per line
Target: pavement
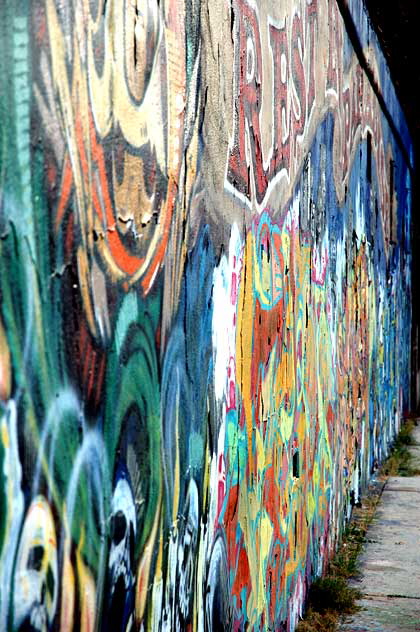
390 563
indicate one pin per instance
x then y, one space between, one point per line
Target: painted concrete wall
205 305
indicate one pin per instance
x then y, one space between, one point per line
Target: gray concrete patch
390 563
415 449
416 432
415 454
385 614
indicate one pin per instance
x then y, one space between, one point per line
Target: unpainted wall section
205 307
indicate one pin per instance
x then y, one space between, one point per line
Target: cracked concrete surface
390 563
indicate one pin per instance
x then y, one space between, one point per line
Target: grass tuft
332 594
317 622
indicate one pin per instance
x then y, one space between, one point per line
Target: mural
204 307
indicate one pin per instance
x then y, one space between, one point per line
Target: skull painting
36 573
121 555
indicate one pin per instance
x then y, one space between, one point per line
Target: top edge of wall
356 16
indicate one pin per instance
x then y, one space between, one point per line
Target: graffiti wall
204 305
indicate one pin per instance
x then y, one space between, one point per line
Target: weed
317 622
332 593
329 598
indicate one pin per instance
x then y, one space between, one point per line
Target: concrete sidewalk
390 562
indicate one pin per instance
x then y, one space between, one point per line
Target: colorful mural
204 306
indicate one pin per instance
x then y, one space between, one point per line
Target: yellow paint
68 587
5 366
143 570
87 591
5 439
244 338
175 504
